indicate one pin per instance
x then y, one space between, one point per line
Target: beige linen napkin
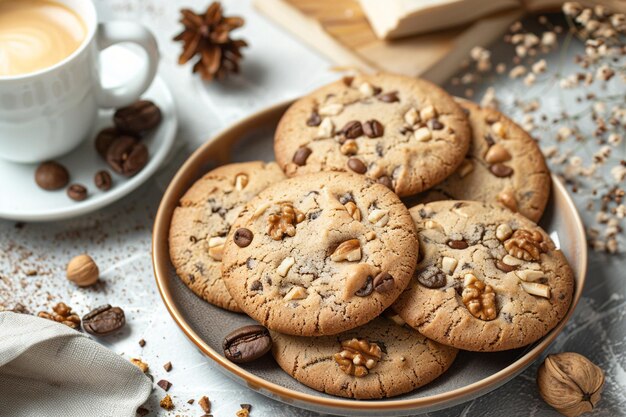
48 369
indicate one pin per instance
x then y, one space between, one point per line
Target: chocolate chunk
431 277
127 156
489 139
457 244
352 130
247 344
504 267
435 124
141 411
314 119
383 282
256 286
373 128
243 237
104 139
167 366
205 404
77 192
389 97
301 155
245 406
137 118
51 175
165 384
347 81
104 320
501 170
142 342
366 289
103 180
357 165
386 181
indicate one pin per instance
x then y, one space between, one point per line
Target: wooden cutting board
339 30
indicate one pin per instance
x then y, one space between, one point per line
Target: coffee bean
77 192
104 139
243 237
127 156
51 176
314 119
501 170
431 277
373 128
457 244
386 181
104 320
137 118
357 165
435 124
352 129
389 97
103 180
383 282
247 344
504 267
301 155
366 289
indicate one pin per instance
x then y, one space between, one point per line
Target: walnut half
358 357
479 298
284 221
525 244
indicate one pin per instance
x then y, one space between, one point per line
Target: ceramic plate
471 375
21 199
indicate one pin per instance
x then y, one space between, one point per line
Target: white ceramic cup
47 113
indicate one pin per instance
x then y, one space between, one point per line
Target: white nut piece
411 117
448 265
332 109
366 89
534 288
469 279
431 224
497 153
503 232
422 134
498 129
241 180
529 275
512 260
216 247
350 250
428 113
467 166
371 235
326 129
397 319
378 217
285 266
296 293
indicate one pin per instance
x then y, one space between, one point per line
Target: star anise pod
208 36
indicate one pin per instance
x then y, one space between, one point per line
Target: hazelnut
570 383
83 271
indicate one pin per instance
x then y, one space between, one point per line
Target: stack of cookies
396 227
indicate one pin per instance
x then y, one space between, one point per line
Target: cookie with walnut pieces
488 280
320 254
378 360
403 132
503 166
203 219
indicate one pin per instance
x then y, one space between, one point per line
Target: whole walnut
570 383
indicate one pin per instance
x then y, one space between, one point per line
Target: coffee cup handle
111 33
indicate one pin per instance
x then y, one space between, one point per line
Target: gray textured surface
276 67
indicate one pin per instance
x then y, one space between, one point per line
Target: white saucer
21 199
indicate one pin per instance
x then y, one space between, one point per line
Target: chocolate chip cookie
203 219
405 133
488 280
320 254
380 359
504 165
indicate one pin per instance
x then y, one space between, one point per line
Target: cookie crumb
166 403
205 404
191 401
244 412
165 384
167 366
140 364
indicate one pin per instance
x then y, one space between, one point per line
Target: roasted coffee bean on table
51 175
103 180
77 192
104 139
137 118
104 320
127 156
247 344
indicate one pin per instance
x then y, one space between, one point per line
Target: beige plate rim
214 150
